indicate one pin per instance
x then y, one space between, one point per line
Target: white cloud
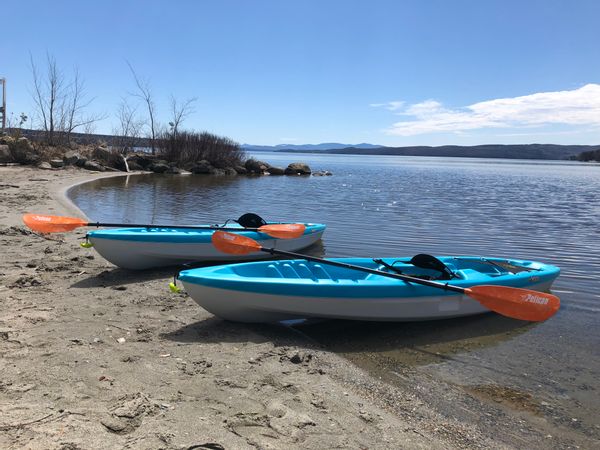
576 107
392 106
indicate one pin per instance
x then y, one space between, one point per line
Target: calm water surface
398 206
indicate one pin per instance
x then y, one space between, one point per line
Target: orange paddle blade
283 230
52 224
234 244
523 304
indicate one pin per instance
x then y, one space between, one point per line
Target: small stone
121 340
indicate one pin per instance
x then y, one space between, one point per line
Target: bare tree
76 102
129 126
145 93
180 111
48 96
59 104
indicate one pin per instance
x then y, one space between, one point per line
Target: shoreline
98 357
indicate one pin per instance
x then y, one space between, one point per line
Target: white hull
241 306
144 255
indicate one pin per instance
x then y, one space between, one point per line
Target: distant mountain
517 151
307 147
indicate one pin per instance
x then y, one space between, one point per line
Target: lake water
378 206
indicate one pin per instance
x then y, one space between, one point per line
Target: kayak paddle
60 224
517 303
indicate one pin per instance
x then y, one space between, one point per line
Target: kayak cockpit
460 268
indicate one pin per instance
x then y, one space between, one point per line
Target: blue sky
274 72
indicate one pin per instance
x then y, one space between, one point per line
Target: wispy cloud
392 106
576 107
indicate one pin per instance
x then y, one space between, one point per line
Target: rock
276 170
216 171
298 168
5 154
57 163
173 170
23 152
70 158
119 162
6 140
141 160
322 173
24 144
241 170
255 166
81 161
202 167
230 171
44 166
93 165
133 165
102 153
159 167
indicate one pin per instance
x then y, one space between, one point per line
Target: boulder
216 171
202 167
133 165
241 170
5 154
173 170
230 171
102 153
6 140
141 160
298 168
44 165
57 163
255 166
94 166
23 152
276 170
70 158
322 173
81 161
159 167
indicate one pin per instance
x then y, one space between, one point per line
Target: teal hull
280 290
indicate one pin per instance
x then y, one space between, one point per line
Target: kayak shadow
119 277
415 343
215 330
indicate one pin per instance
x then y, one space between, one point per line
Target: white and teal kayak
144 248
273 291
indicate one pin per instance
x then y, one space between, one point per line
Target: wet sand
93 356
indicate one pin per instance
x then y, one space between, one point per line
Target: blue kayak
143 248
272 291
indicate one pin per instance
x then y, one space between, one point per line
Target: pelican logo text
535 299
42 218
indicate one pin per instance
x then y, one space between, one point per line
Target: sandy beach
93 356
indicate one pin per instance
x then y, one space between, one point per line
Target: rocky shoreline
100 158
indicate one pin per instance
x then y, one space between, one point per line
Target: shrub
188 147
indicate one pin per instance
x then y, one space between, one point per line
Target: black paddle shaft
397 276
190 227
